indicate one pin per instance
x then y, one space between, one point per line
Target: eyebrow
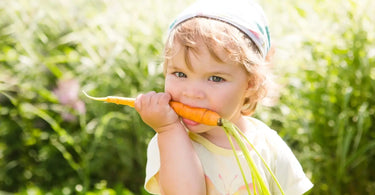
179 66
220 73
173 67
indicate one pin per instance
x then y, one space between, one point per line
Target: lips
189 122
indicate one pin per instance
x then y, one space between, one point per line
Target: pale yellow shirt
221 169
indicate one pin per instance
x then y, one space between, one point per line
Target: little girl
214 59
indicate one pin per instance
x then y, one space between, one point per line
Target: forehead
184 54
200 60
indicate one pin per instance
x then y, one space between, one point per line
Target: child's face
221 87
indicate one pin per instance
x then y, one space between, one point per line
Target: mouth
189 122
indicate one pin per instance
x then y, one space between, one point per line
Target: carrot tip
93 98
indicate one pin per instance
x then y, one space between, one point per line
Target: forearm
181 171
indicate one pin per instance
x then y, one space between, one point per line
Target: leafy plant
326 110
50 52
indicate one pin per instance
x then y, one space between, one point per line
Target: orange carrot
113 99
199 115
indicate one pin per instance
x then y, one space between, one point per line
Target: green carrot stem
257 179
264 162
238 161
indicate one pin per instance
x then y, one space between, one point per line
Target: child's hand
155 111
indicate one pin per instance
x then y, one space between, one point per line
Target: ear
250 88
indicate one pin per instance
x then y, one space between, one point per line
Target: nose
194 90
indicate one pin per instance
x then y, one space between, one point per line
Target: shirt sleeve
152 167
288 170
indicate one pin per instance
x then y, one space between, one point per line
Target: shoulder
259 130
260 126
263 136
283 162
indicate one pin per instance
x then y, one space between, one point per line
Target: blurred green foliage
50 51
54 140
326 110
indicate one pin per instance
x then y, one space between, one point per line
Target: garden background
54 140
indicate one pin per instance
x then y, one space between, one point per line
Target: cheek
229 102
171 87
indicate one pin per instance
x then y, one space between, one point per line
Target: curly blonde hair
218 35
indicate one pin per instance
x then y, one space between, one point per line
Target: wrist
173 127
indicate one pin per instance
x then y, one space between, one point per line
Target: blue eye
180 74
216 79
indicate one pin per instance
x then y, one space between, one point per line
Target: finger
138 102
143 100
150 99
164 99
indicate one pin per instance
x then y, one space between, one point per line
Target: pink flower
67 94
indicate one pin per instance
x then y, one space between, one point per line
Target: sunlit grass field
55 141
